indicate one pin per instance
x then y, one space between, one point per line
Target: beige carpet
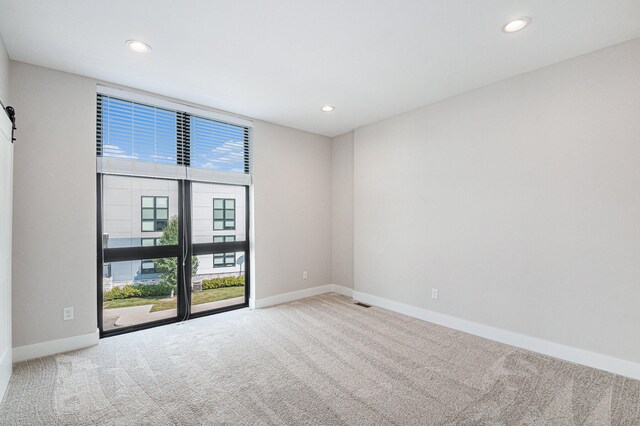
322 360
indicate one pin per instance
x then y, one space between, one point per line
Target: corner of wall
342 210
292 183
4 72
53 347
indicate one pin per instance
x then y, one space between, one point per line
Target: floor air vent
364 305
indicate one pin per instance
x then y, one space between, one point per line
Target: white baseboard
556 350
340 289
299 294
5 371
52 347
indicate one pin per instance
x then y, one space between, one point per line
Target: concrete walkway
218 304
133 315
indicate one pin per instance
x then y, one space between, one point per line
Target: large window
155 213
222 254
162 255
134 131
224 214
140 287
137 138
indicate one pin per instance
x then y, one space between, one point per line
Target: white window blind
150 139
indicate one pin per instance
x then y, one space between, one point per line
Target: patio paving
217 304
133 315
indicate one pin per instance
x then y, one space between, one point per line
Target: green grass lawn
161 303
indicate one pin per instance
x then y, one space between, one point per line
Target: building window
147 266
155 213
224 260
224 214
149 242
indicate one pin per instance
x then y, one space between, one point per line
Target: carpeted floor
321 360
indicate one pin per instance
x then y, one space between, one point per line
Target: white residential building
137 210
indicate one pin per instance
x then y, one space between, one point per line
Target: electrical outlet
434 293
67 314
305 275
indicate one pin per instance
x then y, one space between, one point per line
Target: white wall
4 74
54 255
6 173
342 210
292 198
520 201
55 206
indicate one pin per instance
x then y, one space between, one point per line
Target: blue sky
147 133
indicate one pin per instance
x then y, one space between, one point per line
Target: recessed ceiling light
138 46
328 108
516 24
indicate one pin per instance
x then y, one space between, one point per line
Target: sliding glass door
172 211
220 245
140 232
170 250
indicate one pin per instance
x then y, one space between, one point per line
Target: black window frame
182 252
155 208
185 249
224 211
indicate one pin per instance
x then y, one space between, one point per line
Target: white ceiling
281 60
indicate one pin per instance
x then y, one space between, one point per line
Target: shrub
222 282
156 289
142 290
147 290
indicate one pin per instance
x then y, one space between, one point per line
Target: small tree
168 266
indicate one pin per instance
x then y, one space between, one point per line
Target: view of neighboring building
137 210
173 199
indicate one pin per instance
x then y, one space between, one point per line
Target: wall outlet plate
434 293
67 314
305 275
